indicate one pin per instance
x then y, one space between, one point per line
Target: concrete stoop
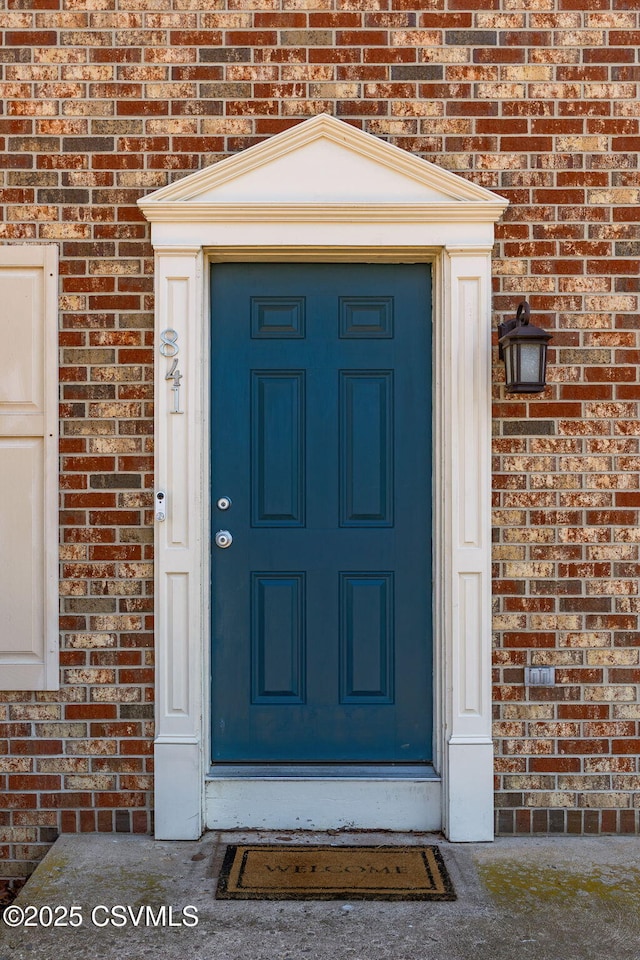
102 895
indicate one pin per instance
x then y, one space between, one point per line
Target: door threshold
323 797
320 771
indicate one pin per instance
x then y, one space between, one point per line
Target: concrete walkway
556 898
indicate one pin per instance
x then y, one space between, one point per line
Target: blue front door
321 440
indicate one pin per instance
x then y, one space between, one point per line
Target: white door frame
454 232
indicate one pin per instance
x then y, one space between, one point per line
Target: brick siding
536 99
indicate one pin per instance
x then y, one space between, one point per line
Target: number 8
169 347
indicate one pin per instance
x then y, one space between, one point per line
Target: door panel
278 463
321 413
366 638
278 637
366 448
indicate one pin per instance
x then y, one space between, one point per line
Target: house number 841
169 348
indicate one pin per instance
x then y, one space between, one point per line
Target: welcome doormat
315 872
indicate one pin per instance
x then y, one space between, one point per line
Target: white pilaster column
465 543
179 544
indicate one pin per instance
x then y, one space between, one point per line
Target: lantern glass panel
508 361
530 362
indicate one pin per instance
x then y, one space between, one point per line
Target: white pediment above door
324 164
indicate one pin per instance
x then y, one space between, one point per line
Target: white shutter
28 468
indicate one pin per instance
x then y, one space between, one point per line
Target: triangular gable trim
191 188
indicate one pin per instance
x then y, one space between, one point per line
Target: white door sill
323 797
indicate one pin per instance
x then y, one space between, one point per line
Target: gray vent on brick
528 428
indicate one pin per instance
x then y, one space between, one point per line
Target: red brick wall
536 99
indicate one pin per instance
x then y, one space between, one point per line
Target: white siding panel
22 383
28 468
21 481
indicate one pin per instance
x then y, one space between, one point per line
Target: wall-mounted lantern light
523 348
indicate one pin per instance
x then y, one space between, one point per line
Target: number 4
175 375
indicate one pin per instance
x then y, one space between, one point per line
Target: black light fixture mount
523 347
